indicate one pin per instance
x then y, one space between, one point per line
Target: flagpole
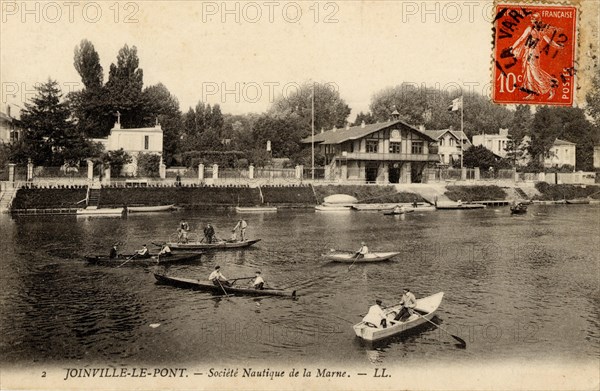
313 130
462 132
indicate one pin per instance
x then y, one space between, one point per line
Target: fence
59 172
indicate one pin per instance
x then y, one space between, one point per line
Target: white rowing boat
254 209
155 208
351 257
424 311
100 211
333 208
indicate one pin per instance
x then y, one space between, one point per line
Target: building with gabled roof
384 152
449 143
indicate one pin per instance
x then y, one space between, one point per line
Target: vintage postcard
299 195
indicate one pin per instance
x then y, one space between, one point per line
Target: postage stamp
534 54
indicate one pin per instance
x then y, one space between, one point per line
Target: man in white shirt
217 278
242 225
165 251
143 253
376 316
258 283
362 251
408 301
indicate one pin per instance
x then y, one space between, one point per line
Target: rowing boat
398 212
576 201
210 287
91 211
425 307
351 257
448 205
518 209
131 260
333 208
211 246
255 209
156 208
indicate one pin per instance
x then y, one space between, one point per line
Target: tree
480 156
87 64
163 107
50 137
544 131
284 132
367 118
518 129
429 107
330 109
125 83
116 160
148 164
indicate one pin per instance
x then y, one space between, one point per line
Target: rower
376 316
233 237
113 252
165 251
408 301
217 278
258 283
143 252
362 251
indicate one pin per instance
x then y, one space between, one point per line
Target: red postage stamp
534 54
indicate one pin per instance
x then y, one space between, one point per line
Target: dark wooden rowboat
211 246
153 260
518 209
208 286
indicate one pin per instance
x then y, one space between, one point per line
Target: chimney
347 126
334 129
362 124
322 130
395 115
422 128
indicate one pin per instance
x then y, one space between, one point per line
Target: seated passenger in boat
143 252
258 283
217 278
376 316
408 301
362 251
165 251
233 237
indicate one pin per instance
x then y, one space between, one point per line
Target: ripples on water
515 287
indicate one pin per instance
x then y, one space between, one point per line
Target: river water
516 287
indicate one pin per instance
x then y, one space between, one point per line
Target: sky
243 55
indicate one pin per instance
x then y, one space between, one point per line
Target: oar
344 319
460 340
128 259
241 278
224 291
355 258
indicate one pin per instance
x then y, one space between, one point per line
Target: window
417 147
451 142
395 147
146 142
372 146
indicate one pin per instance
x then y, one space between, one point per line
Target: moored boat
222 245
578 201
254 209
332 208
210 287
131 259
100 212
425 310
350 257
458 205
399 211
155 208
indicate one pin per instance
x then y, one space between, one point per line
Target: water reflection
500 276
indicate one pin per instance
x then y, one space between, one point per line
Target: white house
596 156
448 143
134 141
496 143
561 153
9 131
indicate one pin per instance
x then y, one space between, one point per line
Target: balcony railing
410 157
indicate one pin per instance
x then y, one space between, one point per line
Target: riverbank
296 196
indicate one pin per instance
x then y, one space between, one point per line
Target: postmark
534 54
